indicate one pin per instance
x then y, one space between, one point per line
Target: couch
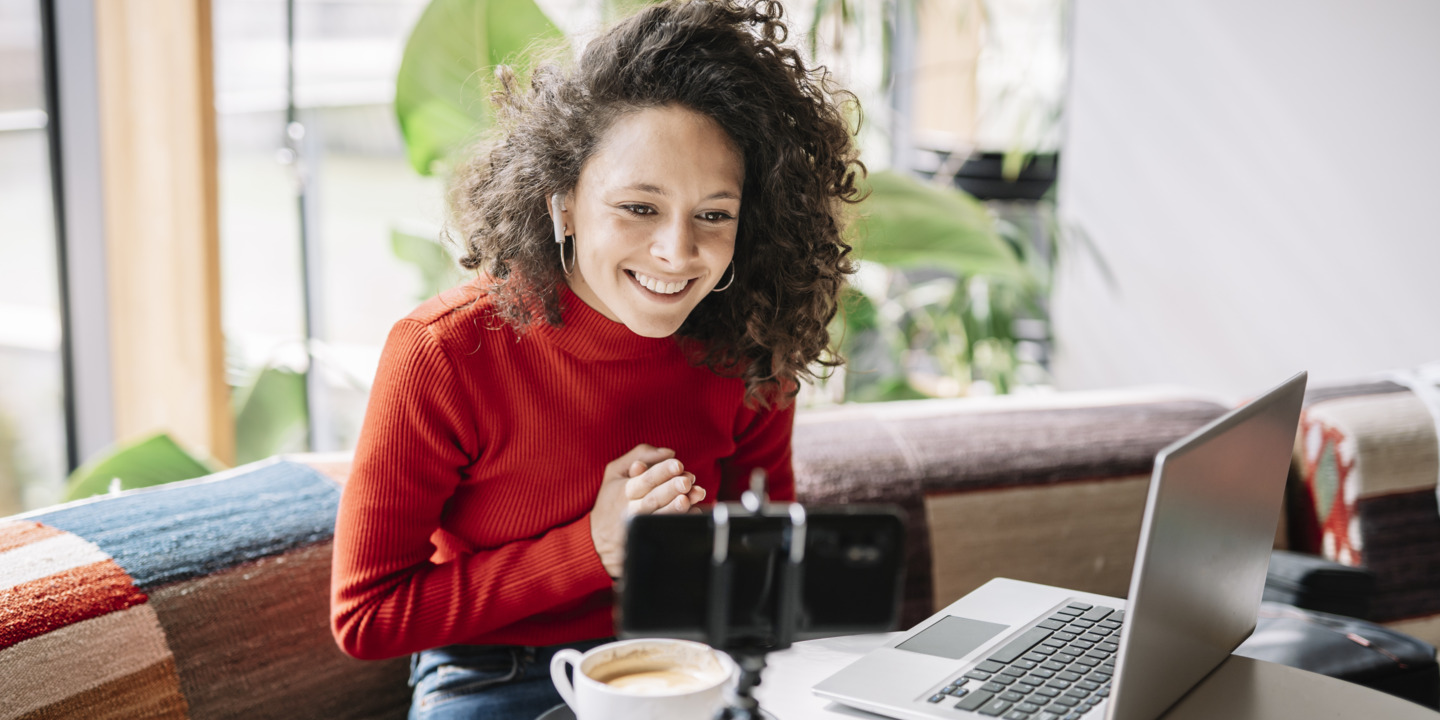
208 598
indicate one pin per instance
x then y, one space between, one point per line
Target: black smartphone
848 581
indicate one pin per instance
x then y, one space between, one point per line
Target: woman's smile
656 286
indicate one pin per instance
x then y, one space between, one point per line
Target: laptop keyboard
1058 670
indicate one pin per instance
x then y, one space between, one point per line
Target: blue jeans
480 682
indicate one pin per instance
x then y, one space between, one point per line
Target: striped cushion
77 637
1368 463
202 599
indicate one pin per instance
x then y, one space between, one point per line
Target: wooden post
158 150
946 59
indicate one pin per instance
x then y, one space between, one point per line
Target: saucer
559 712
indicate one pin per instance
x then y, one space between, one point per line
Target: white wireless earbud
557 206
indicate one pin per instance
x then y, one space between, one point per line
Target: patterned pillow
1368 465
207 598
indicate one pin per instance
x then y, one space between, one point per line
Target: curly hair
726 60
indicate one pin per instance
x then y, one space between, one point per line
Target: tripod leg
741 704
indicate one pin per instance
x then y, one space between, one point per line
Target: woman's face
654 216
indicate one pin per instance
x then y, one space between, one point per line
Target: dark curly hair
726 60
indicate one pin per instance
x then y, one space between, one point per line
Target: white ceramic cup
645 679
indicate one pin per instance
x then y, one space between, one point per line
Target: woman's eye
639 209
715 216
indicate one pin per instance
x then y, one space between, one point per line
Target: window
32 406
343 155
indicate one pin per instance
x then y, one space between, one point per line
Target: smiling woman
727 64
657 207
657 238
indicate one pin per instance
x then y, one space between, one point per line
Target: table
1240 689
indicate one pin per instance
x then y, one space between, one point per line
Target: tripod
741 704
749 651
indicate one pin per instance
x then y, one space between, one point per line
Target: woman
657 243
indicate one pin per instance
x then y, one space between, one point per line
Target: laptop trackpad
953 637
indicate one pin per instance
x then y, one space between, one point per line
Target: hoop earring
732 279
561 243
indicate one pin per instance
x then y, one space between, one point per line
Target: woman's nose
675 243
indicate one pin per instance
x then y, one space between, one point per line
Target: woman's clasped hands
646 480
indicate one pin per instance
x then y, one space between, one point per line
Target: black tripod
742 705
787 560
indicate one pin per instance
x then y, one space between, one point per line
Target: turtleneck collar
588 335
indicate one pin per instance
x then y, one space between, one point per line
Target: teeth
656 286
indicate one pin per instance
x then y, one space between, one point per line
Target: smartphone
849 580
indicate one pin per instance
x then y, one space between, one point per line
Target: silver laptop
1024 651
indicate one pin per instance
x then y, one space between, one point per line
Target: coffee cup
645 679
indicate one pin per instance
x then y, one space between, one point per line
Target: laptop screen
1205 543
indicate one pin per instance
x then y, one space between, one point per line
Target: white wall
1261 178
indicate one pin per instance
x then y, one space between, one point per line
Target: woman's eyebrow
657 190
646 188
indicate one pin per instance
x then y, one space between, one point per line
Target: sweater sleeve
762 440
387 597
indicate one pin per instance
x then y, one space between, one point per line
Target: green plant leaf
272 415
437 269
441 92
886 389
153 460
857 311
906 223
612 10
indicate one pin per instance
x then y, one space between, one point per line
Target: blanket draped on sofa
170 602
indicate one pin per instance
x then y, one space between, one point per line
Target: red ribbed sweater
465 519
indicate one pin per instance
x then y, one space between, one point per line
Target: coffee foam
669 681
657 670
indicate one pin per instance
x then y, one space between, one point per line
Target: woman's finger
678 491
679 505
666 493
683 501
646 453
638 486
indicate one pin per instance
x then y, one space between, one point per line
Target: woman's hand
643 481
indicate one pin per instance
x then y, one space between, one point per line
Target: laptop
1024 651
